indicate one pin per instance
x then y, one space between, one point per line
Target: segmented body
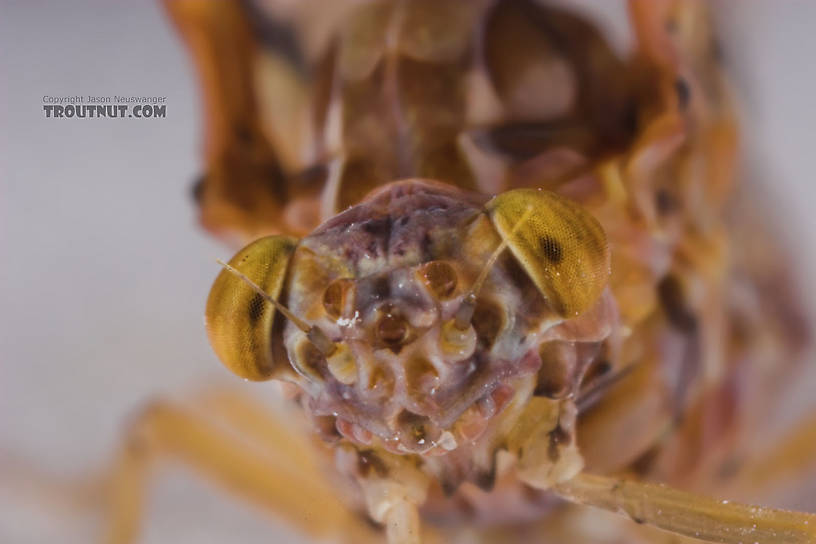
655 373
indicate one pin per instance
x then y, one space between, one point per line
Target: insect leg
244 192
285 479
792 459
394 490
635 407
252 418
688 514
402 524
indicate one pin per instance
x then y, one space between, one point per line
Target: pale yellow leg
790 463
691 515
275 471
402 524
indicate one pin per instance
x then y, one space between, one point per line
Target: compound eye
440 278
239 320
338 298
561 246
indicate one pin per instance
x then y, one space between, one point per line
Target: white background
104 274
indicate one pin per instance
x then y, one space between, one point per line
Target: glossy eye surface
561 246
239 320
488 321
440 278
338 298
392 329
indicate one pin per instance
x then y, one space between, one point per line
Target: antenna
315 335
465 311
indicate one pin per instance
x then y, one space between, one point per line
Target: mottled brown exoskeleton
493 264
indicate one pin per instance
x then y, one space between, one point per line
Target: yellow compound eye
239 320
561 246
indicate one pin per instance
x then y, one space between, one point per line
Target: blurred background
104 271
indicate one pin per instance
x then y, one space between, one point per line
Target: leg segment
691 515
244 193
289 485
789 466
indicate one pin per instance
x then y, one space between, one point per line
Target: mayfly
497 268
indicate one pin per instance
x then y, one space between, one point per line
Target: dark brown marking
426 245
598 368
644 464
243 134
279 36
629 119
326 427
378 226
449 485
487 321
380 287
256 308
551 249
596 389
413 427
524 140
367 461
673 300
665 202
485 480
558 436
681 87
